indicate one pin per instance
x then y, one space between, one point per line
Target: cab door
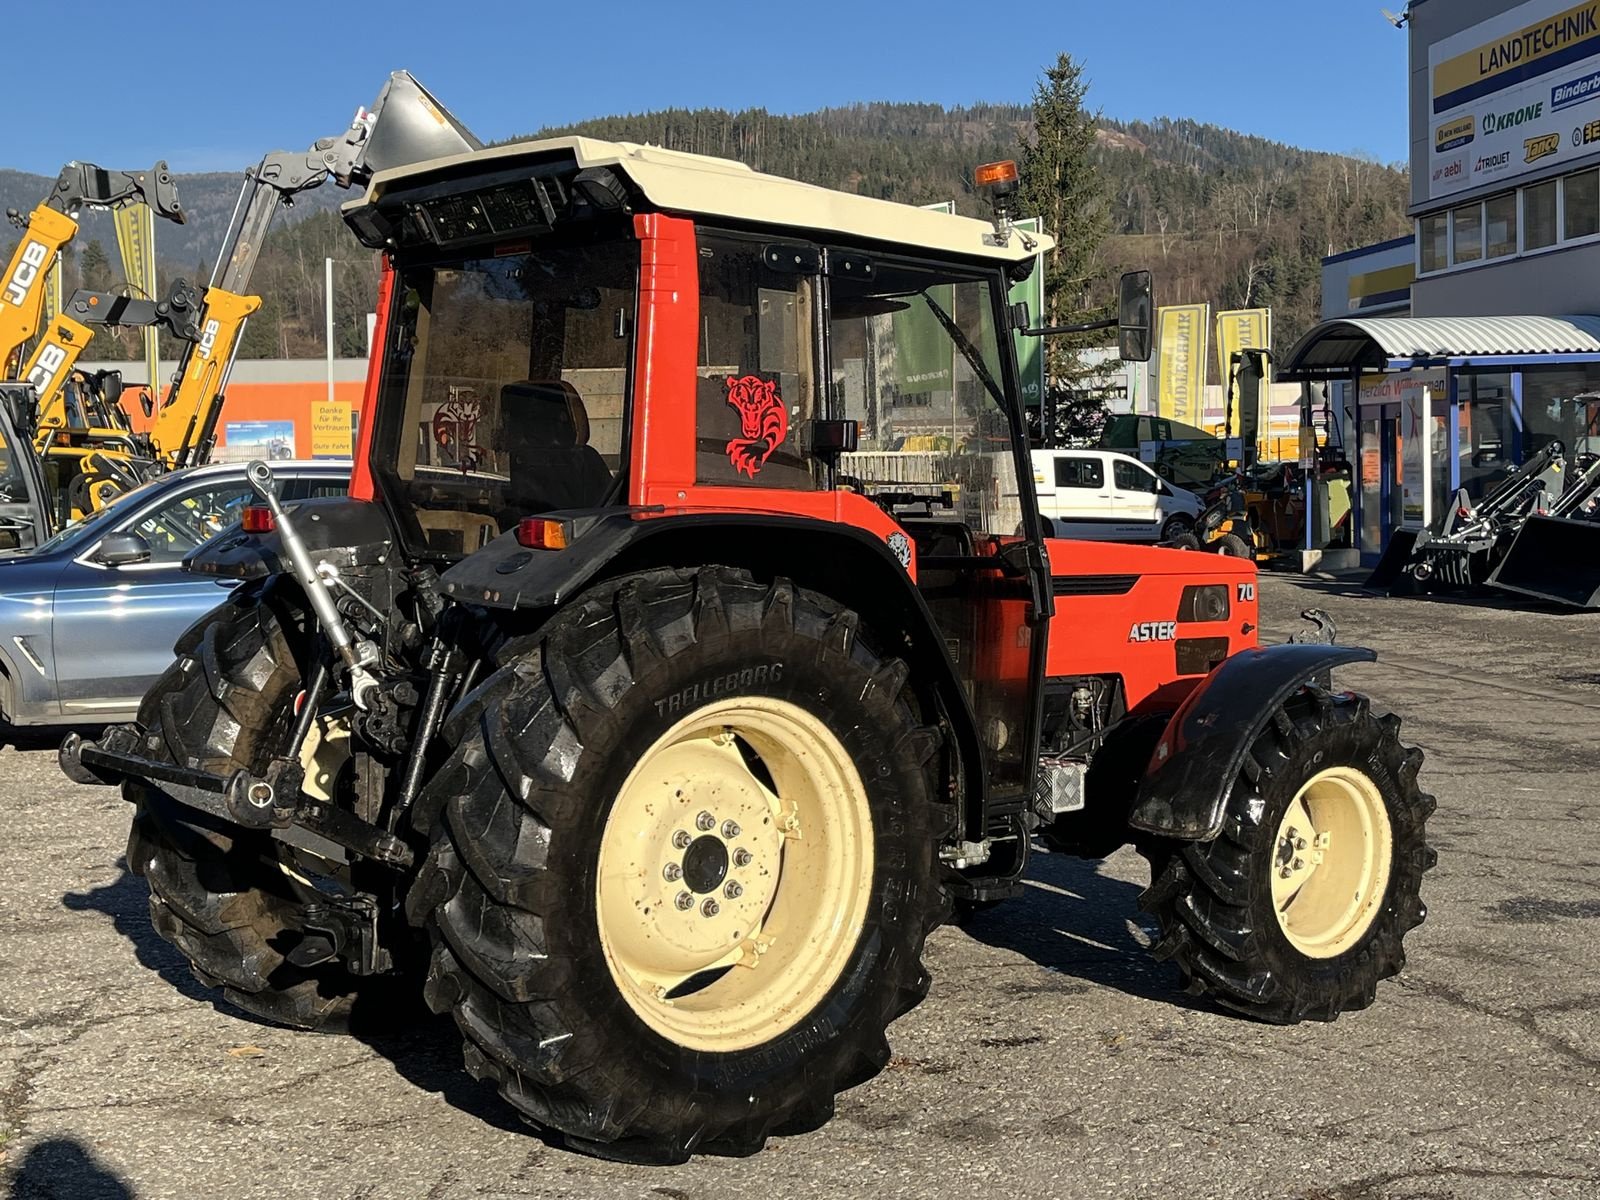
1135 499
1084 505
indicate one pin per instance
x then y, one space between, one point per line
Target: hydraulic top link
357 654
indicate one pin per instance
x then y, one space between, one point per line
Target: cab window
1079 473
755 377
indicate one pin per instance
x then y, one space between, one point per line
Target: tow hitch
241 798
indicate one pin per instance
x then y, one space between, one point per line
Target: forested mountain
1219 216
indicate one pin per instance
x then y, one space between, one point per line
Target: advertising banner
1241 329
1184 332
332 429
1514 94
271 441
1030 350
136 239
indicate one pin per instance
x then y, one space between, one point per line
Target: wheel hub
1331 862
705 864
734 873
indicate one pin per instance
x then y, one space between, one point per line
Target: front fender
1192 772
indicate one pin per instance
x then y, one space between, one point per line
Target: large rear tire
1297 910
220 893
684 863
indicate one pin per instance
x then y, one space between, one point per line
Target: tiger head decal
762 419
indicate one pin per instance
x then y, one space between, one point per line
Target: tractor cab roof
699 185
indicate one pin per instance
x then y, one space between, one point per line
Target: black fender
347 533
851 566
1186 789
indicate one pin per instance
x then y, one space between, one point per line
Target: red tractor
649 702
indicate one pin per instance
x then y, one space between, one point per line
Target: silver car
88 619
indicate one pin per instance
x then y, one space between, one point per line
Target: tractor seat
545 432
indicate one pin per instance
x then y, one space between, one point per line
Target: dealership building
1457 353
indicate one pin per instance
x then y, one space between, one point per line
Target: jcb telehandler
635 682
51 225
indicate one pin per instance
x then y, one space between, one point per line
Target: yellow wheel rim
1330 867
735 873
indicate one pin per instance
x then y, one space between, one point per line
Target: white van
1104 496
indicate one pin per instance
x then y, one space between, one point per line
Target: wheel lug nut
733 891
742 857
1300 843
730 829
1286 872
684 901
705 822
681 839
1299 863
710 908
673 872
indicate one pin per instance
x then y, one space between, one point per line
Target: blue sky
214 86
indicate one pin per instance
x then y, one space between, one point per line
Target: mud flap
1553 559
1402 543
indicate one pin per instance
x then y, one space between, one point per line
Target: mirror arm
1082 327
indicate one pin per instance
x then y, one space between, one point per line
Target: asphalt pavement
1051 1059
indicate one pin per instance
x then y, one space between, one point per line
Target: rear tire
559 928
218 892
1315 942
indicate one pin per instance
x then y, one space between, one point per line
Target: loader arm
405 124
53 224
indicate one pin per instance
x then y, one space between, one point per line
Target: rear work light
541 533
257 518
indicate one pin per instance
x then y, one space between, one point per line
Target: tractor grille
1093 585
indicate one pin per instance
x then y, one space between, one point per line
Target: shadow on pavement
1076 921
423 1048
64 1169
126 900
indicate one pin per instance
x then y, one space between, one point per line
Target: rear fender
336 529
1191 776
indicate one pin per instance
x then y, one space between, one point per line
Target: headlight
1204 602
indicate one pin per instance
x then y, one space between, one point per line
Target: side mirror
122 549
146 404
1134 306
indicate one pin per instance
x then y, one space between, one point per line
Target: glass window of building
1435 237
1539 216
1583 204
1500 225
1468 222
1484 440
1554 407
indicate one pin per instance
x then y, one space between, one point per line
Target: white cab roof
699 185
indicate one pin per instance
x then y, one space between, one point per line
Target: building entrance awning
1338 348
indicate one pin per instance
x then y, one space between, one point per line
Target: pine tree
1060 185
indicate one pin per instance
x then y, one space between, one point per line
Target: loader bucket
1402 542
1553 559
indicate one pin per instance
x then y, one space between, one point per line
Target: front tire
1231 545
684 863
1297 909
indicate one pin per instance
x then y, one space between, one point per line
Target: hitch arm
82 185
